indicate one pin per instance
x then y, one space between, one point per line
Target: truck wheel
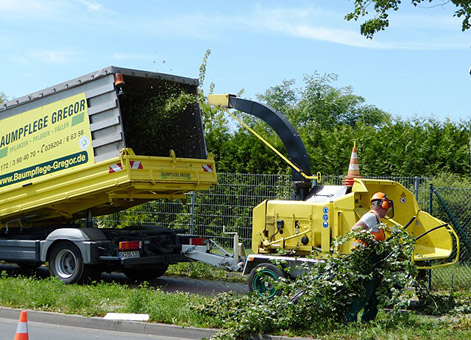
145 273
261 280
66 263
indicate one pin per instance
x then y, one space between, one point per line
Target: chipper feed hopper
331 211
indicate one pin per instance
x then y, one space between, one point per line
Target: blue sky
418 67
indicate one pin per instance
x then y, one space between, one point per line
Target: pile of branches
320 298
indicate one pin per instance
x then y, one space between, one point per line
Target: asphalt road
166 283
44 331
53 326
185 284
56 326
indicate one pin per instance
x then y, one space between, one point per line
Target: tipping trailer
94 145
317 213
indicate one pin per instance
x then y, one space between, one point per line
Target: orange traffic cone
22 329
353 168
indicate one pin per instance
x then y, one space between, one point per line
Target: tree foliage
329 119
382 8
320 105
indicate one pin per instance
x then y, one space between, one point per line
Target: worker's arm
359 226
366 222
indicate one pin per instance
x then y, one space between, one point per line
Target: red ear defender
385 204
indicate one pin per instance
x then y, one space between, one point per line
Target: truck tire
145 273
261 280
66 263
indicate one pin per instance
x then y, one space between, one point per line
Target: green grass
97 299
418 327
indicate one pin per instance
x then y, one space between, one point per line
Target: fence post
430 208
416 187
429 272
192 213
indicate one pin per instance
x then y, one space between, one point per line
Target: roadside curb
160 329
110 325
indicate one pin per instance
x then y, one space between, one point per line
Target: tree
325 117
3 97
323 106
320 105
329 119
382 8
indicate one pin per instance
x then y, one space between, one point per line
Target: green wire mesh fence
229 205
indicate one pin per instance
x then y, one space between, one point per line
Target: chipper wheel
262 280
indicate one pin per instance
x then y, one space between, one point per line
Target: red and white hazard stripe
207 168
136 165
115 168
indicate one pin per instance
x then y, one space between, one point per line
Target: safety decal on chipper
45 140
325 217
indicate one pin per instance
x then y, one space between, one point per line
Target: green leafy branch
382 8
324 293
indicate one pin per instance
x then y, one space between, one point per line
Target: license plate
128 254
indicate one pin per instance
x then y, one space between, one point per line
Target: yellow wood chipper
317 214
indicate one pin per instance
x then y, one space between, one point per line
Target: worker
380 204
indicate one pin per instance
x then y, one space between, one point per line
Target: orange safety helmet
380 199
